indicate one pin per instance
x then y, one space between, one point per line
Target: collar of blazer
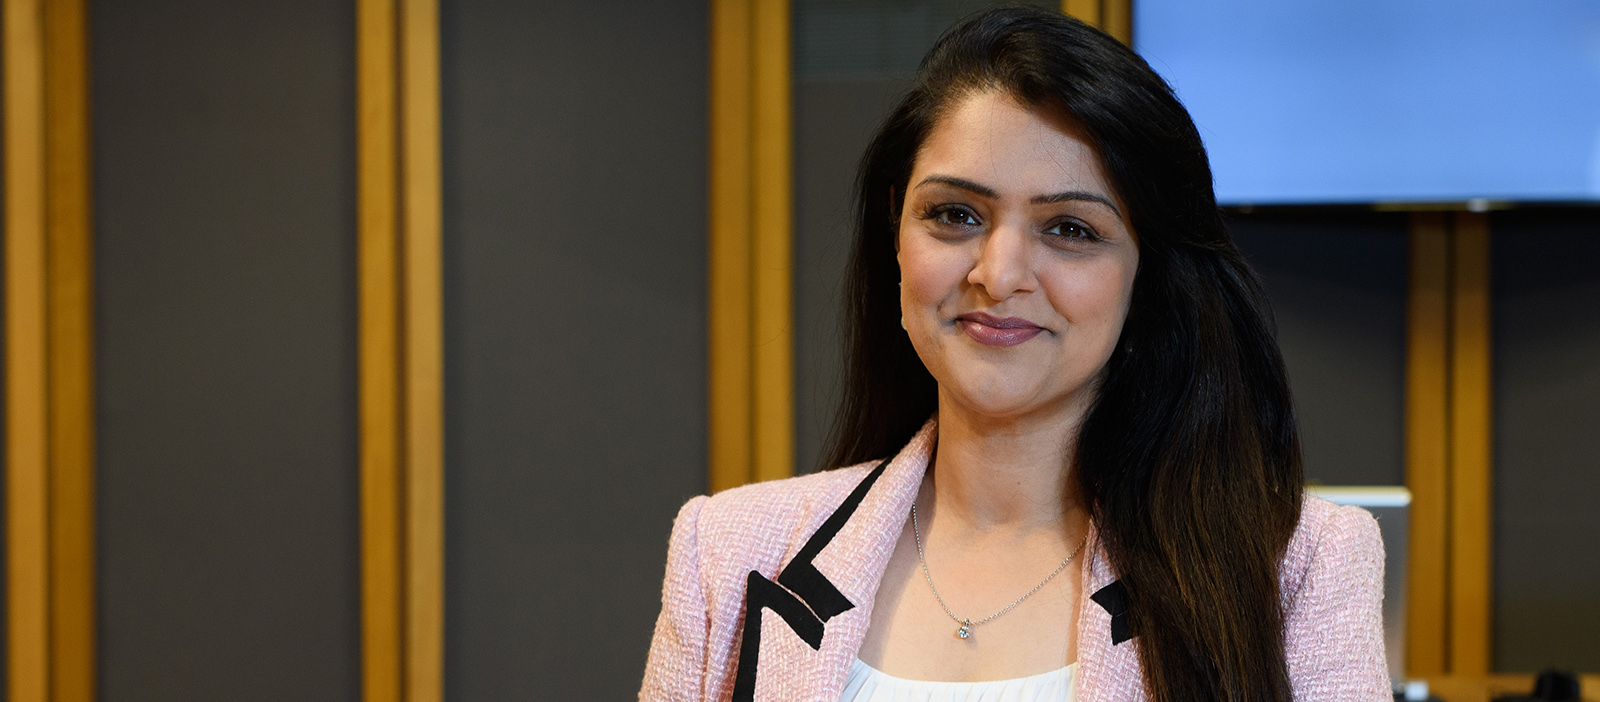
825 592
853 546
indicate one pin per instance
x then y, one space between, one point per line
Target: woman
1094 488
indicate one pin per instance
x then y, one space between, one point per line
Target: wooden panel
423 353
402 368
772 245
1113 16
1086 10
729 309
750 285
71 354
1426 449
27 560
49 354
1470 481
1117 19
379 351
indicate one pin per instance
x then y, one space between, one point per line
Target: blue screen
1363 101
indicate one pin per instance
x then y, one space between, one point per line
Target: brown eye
956 216
1070 229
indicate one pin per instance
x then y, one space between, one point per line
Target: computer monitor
1373 101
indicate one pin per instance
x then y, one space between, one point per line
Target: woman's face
1016 260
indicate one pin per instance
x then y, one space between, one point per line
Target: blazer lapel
1108 664
805 652
836 573
858 557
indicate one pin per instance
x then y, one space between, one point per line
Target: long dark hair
1189 460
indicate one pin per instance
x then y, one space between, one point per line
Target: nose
1003 268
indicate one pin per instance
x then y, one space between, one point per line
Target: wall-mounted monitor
1372 101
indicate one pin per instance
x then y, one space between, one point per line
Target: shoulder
1341 539
1330 530
766 520
778 502
719 539
1332 588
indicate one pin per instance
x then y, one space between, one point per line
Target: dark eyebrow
962 183
1076 195
990 193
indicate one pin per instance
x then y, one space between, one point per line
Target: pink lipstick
997 331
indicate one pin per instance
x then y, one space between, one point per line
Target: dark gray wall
1546 440
834 120
224 189
1337 283
575 227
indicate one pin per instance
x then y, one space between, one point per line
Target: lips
997 331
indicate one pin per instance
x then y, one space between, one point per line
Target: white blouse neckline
868 684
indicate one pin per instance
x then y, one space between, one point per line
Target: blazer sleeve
676 667
1334 642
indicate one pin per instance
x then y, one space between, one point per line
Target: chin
998 403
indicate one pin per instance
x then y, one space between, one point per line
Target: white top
868 684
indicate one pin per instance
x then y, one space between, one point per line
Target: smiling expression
1016 259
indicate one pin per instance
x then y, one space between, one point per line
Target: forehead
990 138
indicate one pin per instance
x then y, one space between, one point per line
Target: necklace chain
965 629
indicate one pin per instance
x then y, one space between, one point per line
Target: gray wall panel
1337 283
224 185
1546 291
575 228
834 120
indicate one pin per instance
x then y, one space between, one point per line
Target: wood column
1449 442
1113 16
751 268
1427 443
49 354
401 350
1471 415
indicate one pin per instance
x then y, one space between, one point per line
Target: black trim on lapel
1114 599
761 593
803 578
822 600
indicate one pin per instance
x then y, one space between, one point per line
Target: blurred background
365 350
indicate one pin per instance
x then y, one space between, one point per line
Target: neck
1005 473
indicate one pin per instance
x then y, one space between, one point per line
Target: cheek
1095 298
930 273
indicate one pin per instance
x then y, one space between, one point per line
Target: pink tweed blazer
752 541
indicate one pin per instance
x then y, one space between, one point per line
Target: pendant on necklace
965 630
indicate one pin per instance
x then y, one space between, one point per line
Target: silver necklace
965 630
